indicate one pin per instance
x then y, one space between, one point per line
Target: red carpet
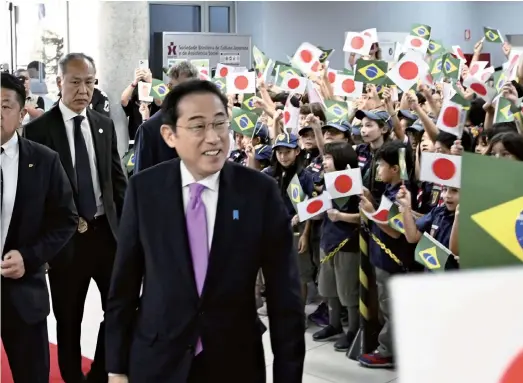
5 376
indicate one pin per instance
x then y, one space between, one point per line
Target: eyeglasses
199 129
22 78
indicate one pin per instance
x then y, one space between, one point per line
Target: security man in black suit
87 145
38 218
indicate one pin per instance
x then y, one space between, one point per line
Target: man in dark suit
38 218
182 329
87 145
151 149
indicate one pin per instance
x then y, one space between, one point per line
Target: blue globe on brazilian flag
492 35
243 122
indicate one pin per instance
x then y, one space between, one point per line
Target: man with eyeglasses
195 231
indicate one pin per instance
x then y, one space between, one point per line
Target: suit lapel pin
235 215
100 130
31 165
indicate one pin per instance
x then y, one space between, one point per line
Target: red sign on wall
467 34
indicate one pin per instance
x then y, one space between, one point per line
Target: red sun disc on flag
224 71
241 82
451 117
444 169
286 117
348 85
306 56
485 76
408 70
473 69
381 215
332 77
343 184
357 42
293 83
479 89
416 43
514 373
460 53
368 34
204 71
514 61
429 78
314 206
316 66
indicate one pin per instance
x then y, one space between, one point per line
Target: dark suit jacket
49 130
151 149
152 338
44 219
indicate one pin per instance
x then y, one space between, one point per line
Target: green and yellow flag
220 84
503 111
336 111
129 160
436 70
492 35
370 71
243 122
450 66
421 30
460 99
490 221
326 54
283 71
248 104
431 254
295 192
395 219
277 65
260 59
500 78
435 47
158 89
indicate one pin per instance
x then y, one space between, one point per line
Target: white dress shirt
9 164
68 116
209 196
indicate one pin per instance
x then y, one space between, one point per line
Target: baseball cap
261 130
375 115
288 140
304 129
342 126
405 113
262 152
416 126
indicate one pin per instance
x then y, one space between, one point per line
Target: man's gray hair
62 64
183 69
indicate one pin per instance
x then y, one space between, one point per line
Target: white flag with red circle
307 58
443 169
344 183
331 75
241 83
345 86
381 215
357 43
451 118
480 88
515 60
485 74
293 83
291 115
408 70
477 67
416 43
456 50
314 206
222 71
204 73
372 33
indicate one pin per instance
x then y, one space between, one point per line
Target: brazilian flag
295 192
431 254
260 59
277 65
248 104
491 212
243 122
450 66
436 70
326 54
129 161
158 89
348 72
460 99
220 84
503 111
283 71
499 79
396 219
421 30
336 111
492 35
370 71
435 47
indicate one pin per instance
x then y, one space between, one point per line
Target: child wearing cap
286 163
259 156
387 265
238 155
338 279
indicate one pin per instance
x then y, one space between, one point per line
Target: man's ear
59 82
168 135
23 112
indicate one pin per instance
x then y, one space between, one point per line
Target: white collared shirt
68 116
209 196
9 163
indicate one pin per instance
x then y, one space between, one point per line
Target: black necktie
1 187
86 200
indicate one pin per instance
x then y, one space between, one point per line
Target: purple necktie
196 219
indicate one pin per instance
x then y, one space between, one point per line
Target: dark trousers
93 259
26 346
198 371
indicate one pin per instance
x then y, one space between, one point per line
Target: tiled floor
322 363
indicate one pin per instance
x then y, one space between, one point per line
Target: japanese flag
382 214
344 183
485 74
241 83
451 118
456 50
477 67
480 88
314 94
372 33
408 70
345 86
293 83
331 75
307 58
415 43
222 70
204 73
441 169
357 43
291 115
515 60
314 206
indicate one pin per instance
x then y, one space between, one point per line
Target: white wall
278 27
